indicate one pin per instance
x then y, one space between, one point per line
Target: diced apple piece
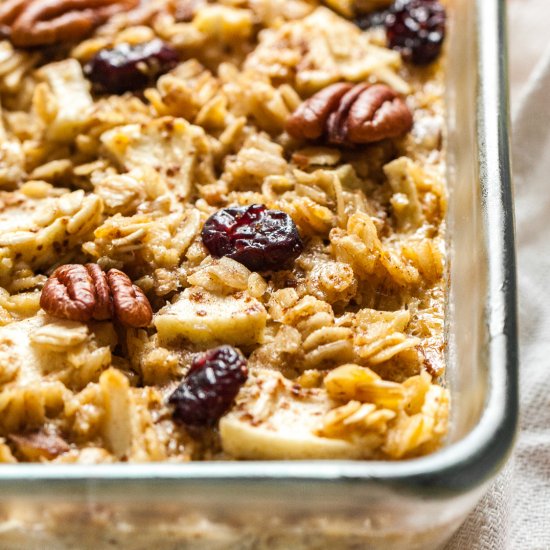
203 317
71 92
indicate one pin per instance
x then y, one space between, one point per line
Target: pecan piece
81 293
309 120
132 307
39 445
378 113
69 293
9 11
103 308
337 123
45 22
347 114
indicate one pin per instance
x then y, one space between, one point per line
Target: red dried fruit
416 28
129 67
259 238
210 387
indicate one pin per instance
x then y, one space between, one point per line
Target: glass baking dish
410 504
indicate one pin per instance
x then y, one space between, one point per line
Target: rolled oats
272 103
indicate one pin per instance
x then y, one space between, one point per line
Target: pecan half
131 305
39 445
9 11
69 293
309 120
347 114
103 308
378 113
337 123
46 22
82 293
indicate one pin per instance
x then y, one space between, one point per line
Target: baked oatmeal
221 230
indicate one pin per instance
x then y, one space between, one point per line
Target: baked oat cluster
221 230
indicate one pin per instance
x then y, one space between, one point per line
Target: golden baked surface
344 345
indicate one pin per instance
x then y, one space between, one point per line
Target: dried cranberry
210 387
259 238
126 67
417 29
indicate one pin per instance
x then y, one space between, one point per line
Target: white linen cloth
515 513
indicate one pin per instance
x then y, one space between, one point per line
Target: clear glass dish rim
457 468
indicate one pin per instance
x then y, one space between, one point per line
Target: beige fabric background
515 513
